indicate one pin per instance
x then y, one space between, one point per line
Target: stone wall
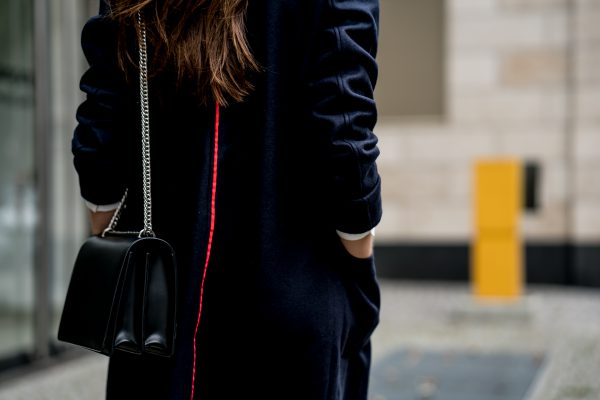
522 80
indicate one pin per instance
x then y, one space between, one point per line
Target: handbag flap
146 317
94 287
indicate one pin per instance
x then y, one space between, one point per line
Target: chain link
116 215
145 119
145 128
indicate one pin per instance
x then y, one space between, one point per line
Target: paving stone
446 375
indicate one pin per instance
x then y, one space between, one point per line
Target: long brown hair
203 41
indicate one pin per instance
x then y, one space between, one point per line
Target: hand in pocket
362 248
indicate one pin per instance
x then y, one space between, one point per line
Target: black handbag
123 289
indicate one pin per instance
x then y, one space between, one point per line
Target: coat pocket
364 299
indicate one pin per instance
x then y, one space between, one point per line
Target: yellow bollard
496 256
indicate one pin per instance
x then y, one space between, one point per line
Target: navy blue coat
287 312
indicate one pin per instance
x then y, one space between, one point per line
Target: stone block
549 223
533 67
395 224
424 181
440 222
391 144
587 64
586 21
462 7
587 146
555 106
533 144
587 4
587 181
555 180
586 221
499 107
588 103
473 68
434 147
557 31
526 5
428 222
497 32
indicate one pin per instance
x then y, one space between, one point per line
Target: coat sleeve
106 118
343 109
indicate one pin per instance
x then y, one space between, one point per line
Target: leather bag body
122 296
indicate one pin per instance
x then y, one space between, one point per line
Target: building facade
480 79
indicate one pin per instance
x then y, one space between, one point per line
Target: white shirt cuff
355 236
101 208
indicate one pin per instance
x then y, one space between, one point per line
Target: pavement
557 328
435 341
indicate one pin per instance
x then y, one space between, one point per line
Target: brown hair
203 41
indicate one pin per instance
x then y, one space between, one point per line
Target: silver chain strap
117 214
145 114
145 118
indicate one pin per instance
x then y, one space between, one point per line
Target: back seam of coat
210 238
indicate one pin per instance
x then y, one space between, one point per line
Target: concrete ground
556 327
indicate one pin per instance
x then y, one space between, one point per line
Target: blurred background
489 249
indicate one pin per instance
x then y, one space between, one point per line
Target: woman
264 181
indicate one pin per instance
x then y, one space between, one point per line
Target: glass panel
17 191
67 211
